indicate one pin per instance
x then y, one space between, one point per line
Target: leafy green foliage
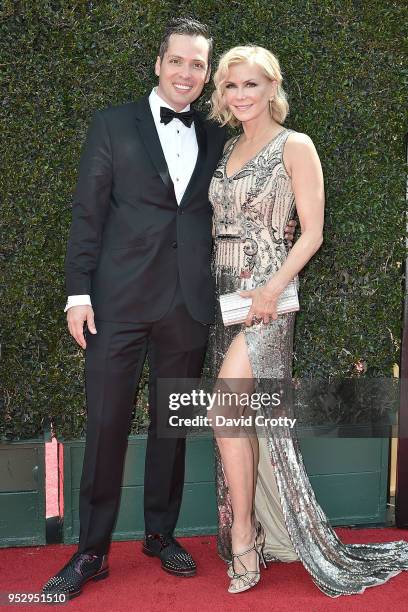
61 60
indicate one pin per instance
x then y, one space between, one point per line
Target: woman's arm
303 165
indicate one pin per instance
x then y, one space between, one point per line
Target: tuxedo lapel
150 138
202 153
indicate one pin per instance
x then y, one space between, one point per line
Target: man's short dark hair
188 27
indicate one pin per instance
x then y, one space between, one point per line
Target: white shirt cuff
78 300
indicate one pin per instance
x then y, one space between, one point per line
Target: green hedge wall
61 60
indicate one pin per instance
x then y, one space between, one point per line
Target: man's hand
290 231
76 317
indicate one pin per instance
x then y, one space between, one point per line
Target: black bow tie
167 114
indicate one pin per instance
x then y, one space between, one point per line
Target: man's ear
207 78
157 66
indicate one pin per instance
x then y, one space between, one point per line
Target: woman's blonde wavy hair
269 64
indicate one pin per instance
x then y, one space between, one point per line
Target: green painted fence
349 476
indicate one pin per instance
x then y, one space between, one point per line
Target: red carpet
136 582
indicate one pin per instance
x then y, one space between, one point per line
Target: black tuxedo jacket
129 239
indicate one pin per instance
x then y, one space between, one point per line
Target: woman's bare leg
240 457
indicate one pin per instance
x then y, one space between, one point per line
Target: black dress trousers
175 346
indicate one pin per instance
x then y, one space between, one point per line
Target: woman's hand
264 304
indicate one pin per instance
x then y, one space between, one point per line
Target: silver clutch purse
235 308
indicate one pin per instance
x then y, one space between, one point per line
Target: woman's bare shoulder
298 147
298 140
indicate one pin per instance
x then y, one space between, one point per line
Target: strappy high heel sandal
260 543
250 578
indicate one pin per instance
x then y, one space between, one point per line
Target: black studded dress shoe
174 558
79 569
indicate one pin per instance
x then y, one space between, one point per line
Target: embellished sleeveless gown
251 210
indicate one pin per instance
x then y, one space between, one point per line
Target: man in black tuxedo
138 275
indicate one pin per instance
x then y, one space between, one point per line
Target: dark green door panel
22 493
344 455
198 511
349 477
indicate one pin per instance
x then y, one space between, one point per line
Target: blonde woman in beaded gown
266 505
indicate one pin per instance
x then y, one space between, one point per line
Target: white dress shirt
180 149
179 144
